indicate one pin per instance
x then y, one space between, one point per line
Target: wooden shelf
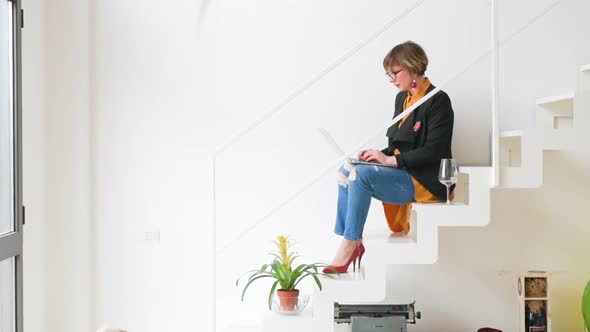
524 310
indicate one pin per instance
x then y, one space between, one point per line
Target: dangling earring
414 85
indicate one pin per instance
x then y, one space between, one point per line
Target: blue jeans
357 184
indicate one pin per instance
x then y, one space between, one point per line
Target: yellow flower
282 244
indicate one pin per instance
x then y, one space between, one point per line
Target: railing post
213 244
495 97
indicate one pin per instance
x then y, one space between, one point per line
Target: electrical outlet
152 236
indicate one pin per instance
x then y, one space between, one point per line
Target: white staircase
521 161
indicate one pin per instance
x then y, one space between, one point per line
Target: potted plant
286 276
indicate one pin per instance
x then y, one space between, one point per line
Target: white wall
150 143
35 193
55 164
131 155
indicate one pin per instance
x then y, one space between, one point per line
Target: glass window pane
7 296
6 119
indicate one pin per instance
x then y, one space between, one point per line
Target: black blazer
423 139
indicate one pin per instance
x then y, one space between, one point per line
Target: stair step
453 205
397 239
385 237
544 139
555 112
351 276
550 101
474 169
511 133
238 328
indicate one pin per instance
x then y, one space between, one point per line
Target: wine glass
447 174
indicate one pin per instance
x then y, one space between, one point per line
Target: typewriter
376 317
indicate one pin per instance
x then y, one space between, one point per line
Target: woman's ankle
349 245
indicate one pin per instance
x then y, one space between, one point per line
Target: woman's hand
391 161
379 157
363 154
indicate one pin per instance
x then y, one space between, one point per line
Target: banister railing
495 181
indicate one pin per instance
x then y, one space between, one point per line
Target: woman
415 147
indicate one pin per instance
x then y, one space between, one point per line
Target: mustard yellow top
398 216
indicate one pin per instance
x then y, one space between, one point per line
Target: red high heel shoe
344 268
361 250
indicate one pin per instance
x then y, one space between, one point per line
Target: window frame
11 244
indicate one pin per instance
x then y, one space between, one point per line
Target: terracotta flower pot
288 299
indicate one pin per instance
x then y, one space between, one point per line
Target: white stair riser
582 121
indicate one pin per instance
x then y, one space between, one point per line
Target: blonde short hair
409 56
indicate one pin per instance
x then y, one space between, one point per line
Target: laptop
340 152
356 161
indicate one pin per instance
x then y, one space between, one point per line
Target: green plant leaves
250 283
270 295
586 306
317 281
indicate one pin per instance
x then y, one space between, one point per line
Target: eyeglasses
393 75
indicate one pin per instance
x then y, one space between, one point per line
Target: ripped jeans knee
346 173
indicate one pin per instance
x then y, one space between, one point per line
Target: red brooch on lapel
417 126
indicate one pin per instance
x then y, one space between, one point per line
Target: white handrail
495 181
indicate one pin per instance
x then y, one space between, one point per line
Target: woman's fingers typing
365 154
361 153
369 155
377 156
